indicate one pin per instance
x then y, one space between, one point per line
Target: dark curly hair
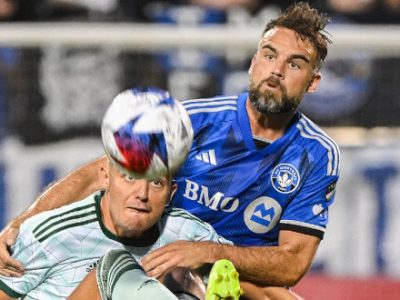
308 23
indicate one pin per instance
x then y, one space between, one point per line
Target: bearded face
269 102
282 71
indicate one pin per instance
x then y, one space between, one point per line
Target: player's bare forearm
73 187
252 291
87 289
282 265
4 296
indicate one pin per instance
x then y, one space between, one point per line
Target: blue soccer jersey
249 194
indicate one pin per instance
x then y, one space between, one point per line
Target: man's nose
279 69
142 189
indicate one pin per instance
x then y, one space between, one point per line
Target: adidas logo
207 157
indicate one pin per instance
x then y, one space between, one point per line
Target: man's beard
268 102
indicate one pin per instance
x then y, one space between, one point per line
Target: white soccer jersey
59 247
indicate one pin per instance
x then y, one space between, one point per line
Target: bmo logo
262 214
217 201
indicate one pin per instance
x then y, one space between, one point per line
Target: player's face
282 70
136 204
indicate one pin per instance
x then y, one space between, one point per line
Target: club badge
285 178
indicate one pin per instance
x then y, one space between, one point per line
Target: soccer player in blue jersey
259 171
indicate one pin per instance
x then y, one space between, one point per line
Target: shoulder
179 215
318 144
49 223
185 224
182 225
211 109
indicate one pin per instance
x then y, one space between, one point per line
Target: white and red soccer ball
146 133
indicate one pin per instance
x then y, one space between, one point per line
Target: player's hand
8 265
183 254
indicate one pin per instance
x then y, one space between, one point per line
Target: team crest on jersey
285 178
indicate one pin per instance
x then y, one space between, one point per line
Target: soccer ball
146 133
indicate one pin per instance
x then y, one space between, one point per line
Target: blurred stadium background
62 61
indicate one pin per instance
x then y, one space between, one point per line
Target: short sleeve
37 264
205 232
182 225
307 212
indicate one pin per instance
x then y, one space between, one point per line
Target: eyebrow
294 56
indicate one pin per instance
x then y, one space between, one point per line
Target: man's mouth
138 209
273 83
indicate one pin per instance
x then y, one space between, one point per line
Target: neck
133 238
105 213
267 126
110 224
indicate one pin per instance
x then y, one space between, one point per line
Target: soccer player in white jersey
260 172
60 247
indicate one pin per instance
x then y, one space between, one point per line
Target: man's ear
314 83
251 65
104 175
174 188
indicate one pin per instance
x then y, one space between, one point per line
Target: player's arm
4 296
87 289
73 187
282 265
252 291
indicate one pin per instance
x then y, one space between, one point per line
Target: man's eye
129 178
158 182
294 66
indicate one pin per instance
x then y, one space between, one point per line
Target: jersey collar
245 128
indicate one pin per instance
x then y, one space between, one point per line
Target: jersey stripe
317 129
83 208
210 104
304 230
213 103
215 109
309 130
216 99
83 222
329 170
111 267
74 217
121 265
328 139
10 292
60 223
